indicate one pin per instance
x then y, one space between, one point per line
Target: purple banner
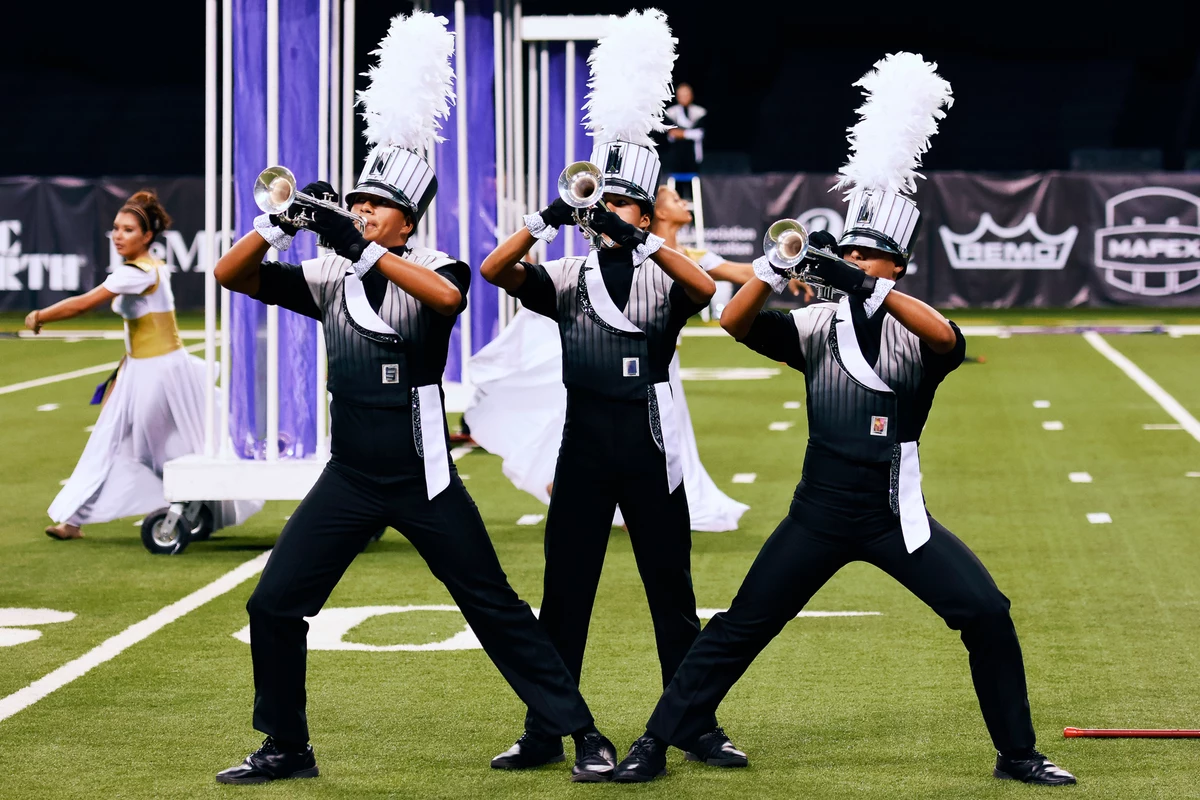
298 133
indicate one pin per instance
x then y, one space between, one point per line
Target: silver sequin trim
272 232
538 228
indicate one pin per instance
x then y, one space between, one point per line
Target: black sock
1019 754
286 746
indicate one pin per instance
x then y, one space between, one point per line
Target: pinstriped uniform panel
594 354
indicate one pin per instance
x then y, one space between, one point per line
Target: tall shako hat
412 88
630 84
905 97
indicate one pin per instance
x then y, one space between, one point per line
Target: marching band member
153 409
619 311
387 310
871 365
520 404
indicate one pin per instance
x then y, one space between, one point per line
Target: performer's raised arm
503 265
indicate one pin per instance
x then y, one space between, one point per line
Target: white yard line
111 335
1149 386
111 648
79 373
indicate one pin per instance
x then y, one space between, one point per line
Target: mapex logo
1150 244
58 272
1023 246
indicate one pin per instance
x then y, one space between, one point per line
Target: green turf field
871 706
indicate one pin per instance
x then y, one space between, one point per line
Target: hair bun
147 200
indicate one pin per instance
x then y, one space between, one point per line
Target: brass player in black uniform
619 311
871 365
388 309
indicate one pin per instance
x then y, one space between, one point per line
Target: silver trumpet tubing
275 193
785 244
581 185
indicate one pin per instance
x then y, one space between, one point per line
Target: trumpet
786 245
275 193
581 185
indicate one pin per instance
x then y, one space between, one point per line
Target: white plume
905 96
631 78
412 85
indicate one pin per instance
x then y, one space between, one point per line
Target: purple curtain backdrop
298 103
483 301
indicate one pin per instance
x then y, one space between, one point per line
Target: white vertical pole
210 226
518 107
323 159
531 141
464 188
511 144
498 104
226 442
429 221
272 158
335 95
544 128
347 175
571 122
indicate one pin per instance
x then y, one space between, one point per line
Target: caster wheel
162 540
204 525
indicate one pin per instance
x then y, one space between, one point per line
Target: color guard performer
387 309
871 364
153 405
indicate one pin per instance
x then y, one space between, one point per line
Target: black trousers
330 527
806 549
608 457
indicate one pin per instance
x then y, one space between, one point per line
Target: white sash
852 357
668 422
433 439
360 308
914 522
435 455
601 300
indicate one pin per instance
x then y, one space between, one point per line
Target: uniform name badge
391 373
630 367
879 426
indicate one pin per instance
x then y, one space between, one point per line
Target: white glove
765 272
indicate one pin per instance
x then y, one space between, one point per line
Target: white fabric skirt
520 406
154 413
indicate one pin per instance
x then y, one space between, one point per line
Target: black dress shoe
595 758
647 760
531 750
715 749
1031 768
270 763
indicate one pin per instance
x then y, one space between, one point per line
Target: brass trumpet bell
785 243
275 189
581 184
275 193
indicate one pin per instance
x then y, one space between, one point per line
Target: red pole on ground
1129 733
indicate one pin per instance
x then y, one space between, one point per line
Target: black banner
54 237
1047 239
